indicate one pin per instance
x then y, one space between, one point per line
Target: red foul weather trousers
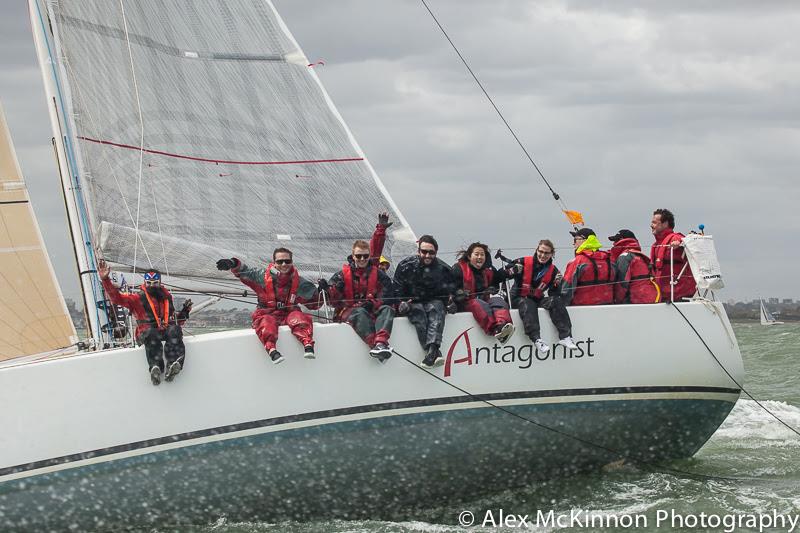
266 323
489 315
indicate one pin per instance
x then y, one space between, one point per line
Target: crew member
589 276
280 289
384 264
424 284
156 322
474 278
533 277
635 280
668 245
360 290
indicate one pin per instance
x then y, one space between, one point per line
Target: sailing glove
227 264
383 220
460 295
322 285
515 269
403 308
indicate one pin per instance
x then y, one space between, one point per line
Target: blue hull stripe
321 415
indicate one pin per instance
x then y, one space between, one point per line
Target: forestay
33 316
202 131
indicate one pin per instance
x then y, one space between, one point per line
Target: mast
77 218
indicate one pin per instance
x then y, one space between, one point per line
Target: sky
625 106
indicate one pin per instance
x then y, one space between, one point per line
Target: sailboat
765 316
190 131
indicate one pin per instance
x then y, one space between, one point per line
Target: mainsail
766 317
33 316
200 131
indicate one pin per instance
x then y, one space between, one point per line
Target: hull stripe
403 407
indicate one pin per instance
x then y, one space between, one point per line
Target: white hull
99 410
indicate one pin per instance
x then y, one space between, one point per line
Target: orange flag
574 217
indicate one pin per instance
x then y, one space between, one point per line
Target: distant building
788 301
773 300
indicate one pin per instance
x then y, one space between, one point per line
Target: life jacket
367 288
595 284
271 299
660 255
151 309
527 279
469 278
642 287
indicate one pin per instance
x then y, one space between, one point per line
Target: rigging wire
141 137
765 408
556 196
653 466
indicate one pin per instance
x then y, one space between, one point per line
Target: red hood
624 245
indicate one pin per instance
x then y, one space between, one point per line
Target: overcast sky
691 105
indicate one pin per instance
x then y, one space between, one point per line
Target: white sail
766 317
210 137
33 315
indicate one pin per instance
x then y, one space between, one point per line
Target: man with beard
671 268
424 284
156 322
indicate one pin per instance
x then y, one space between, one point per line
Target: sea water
749 474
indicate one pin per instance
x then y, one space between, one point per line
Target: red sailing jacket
142 309
468 279
527 279
594 283
660 255
636 283
285 296
365 287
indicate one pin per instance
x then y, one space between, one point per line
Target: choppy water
762 456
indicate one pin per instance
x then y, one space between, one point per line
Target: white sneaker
505 333
542 346
568 343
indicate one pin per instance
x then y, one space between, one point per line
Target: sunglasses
283 261
152 282
361 256
427 252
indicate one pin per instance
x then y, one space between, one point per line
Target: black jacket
421 283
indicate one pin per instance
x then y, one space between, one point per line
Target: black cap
583 232
622 234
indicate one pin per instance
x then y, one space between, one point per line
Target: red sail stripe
217 161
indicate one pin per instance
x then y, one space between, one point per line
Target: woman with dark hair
474 278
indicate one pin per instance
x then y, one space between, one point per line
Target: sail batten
33 316
211 137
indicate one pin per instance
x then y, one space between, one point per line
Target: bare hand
103 269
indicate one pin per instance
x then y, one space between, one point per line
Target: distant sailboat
766 317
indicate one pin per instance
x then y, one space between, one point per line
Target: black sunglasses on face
427 252
283 261
361 256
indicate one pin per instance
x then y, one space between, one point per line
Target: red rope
217 161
